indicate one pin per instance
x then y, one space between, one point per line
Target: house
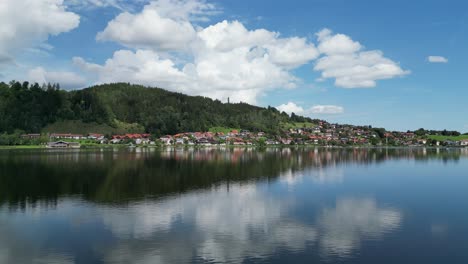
31 136
115 140
97 137
203 141
422 141
166 140
136 138
66 136
233 133
59 135
63 144
271 142
449 142
209 135
77 136
464 142
179 141
140 141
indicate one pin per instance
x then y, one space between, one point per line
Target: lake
234 206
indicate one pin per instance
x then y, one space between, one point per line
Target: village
322 134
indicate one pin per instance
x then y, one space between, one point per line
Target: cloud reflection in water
244 222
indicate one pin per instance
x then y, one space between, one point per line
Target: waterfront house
77 136
97 137
31 136
422 141
203 141
180 141
450 143
63 144
60 136
67 136
166 140
140 141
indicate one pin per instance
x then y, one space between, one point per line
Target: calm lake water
234 206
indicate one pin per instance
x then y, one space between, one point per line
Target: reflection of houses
63 144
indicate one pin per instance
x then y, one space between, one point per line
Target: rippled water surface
234 205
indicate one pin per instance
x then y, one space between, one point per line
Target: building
166 140
31 136
67 136
96 136
63 144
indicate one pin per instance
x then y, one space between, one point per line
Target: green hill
122 107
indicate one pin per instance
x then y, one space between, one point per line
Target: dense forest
30 107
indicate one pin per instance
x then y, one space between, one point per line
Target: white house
166 140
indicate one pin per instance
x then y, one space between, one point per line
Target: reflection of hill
117 176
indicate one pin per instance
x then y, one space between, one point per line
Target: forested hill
30 108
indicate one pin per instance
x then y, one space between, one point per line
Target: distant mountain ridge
31 108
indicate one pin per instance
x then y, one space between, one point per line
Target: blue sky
369 64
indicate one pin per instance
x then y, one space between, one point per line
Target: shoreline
125 146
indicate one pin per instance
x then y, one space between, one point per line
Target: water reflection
353 220
117 176
201 205
219 226
214 226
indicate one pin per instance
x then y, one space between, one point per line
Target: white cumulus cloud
162 25
27 23
226 59
67 80
345 61
90 4
326 109
437 59
290 107
143 66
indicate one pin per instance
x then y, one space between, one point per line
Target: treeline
30 107
423 132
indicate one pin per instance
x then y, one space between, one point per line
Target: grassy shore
23 147
123 146
454 138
